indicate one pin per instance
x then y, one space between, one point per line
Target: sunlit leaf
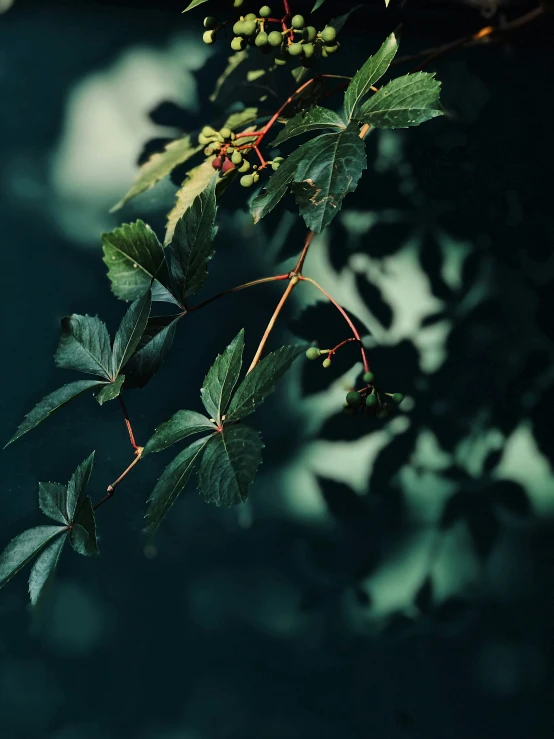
84 346
374 68
229 464
222 377
313 119
44 567
21 550
197 180
179 426
130 331
403 102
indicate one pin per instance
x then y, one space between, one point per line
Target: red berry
227 165
216 163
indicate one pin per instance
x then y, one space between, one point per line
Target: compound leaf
23 548
222 377
83 530
374 68
52 499
78 484
44 567
84 346
179 426
403 102
312 119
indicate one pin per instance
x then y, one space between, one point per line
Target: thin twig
293 282
275 278
111 488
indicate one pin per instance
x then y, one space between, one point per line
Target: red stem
128 423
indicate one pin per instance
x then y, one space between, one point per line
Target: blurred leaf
260 382
83 529
432 259
134 258
433 318
78 484
339 22
52 403
403 102
197 180
222 377
153 349
511 496
343 502
84 346
470 269
391 459
172 481
109 391
179 426
233 63
130 331
374 301
424 597
241 118
160 165
317 5
194 4
323 323
229 464
43 569
457 508
23 548
191 244
373 69
492 460
451 609
52 499
312 119
484 528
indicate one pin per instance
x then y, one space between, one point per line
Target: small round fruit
295 49
275 38
209 150
247 180
262 39
227 165
331 49
210 23
237 3
368 377
245 166
236 157
371 400
238 28
265 11
309 50
249 28
353 398
216 163
397 398
281 60
208 37
329 35
309 33
226 133
238 43
276 163
256 177
250 17
298 22
312 353
208 131
326 362
204 140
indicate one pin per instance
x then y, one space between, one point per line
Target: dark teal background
305 615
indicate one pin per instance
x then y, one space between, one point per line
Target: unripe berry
326 362
247 180
256 177
227 165
209 150
397 398
276 163
208 37
226 133
368 377
261 39
238 43
308 50
371 400
208 131
329 35
245 166
216 163
281 60
210 23
265 11
237 157
204 140
249 28
331 49
353 398
250 17
298 22
238 28
275 38
237 3
295 49
309 33
312 353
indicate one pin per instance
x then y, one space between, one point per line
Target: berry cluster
298 41
222 145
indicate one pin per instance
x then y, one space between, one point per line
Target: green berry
368 377
226 133
309 33
309 50
371 400
353 398
312 353
265 11
204 140
298 22
256 177
238 43
238 28
295 49
281 60
261 39
208 131
245 166
250 17
247 180
210 23
208 37
237 3
329 35
331 49
276 163
397 398
209 150
326 362
249 28
275 38
237 157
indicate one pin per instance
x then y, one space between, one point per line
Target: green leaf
77 485
277 185
229 464
152 350
52 499
339 22
134 258
110 391
196 181
241 118
173 480
372 70
159 166
318 4
194 4
403 102
52 403
260 382
84 346
43 569
130 331
312 119
233 62
222 377
191 245
330 168
23 548
82 535
179 426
